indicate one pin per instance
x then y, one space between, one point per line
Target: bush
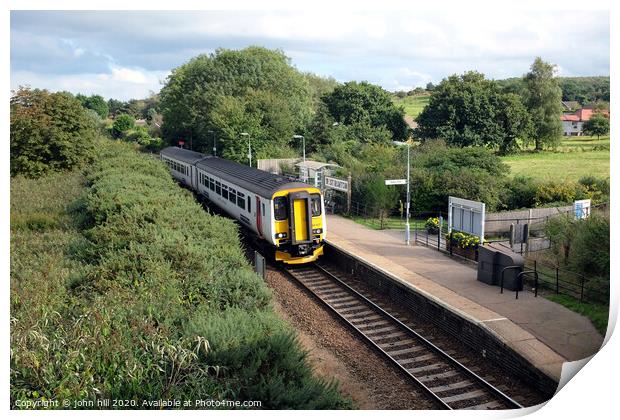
138 135
122 124
153 300
438 171
49 132
582 245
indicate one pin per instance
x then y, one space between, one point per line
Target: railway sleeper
466 396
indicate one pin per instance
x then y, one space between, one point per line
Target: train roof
183 155
254 180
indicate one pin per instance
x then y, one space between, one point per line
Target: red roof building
572 124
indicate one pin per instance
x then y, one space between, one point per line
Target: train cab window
232 196
316 204
218 188
279 208
225 192
241 200
249 204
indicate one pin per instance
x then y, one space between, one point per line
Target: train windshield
316 204
279 208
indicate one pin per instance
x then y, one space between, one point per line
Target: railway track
444 379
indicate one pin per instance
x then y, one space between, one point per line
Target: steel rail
429 345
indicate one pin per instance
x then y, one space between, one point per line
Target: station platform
543 332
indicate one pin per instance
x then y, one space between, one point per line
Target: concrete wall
473 335
273 165
501 221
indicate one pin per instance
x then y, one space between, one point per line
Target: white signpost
395 181
466 216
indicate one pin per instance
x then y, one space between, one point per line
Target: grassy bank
124 288
413 104
576 157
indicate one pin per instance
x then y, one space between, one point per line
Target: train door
259 224
300 217
301 223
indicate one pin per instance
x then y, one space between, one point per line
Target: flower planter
469 253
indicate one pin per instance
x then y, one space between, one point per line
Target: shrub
153 300
581 244
122 124
563 192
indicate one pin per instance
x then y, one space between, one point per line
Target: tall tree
49 132
252 86
365 103
469 110
543 98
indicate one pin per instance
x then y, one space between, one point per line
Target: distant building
570 106
572 123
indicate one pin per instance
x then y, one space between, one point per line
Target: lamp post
305 170
407 232
299 136
214 144
407 229
244 134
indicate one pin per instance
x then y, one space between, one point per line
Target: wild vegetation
122 287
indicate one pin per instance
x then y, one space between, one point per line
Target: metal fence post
439 233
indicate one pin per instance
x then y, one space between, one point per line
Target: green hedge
164 306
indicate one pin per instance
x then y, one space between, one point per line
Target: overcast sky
127 54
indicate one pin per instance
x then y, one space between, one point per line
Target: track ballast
444 379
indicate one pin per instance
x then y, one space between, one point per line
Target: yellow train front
286 216
299 224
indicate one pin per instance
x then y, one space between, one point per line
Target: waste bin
493 259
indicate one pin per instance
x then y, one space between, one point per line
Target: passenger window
241 200
232 196
279 208
316 204
225 192
218 188
211 184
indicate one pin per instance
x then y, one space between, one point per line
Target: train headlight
281 235
317 231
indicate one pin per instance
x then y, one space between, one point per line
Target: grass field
575 158
413 104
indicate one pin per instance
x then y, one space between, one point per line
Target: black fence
559 281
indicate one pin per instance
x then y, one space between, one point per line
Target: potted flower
463 244
432 225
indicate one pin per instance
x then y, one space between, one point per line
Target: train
284 215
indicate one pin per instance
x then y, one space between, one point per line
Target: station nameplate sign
336 184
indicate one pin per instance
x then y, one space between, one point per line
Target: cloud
397 49
122 84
